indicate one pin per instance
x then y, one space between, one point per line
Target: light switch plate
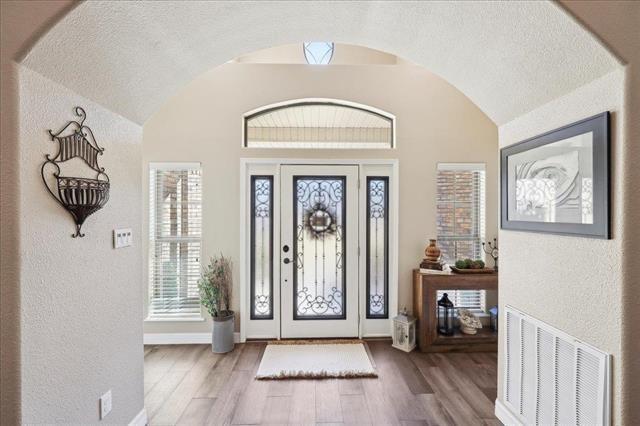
122 238
105 404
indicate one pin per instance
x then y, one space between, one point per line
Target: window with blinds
460 221
175 232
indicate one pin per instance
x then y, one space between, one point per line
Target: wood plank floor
190 385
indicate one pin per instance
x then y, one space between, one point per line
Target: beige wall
435 123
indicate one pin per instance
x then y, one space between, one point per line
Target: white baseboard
181 338
376 336
504 414
140 419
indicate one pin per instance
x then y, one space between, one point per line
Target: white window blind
460 221
175 232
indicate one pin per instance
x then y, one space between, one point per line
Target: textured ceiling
507 57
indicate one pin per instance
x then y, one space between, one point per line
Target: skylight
318 52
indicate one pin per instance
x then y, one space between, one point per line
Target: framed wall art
558 182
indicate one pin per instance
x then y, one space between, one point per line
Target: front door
319 251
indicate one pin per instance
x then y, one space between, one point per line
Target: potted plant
215 287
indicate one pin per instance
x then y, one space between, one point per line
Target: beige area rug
315 359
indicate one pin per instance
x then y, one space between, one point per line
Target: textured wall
572 283
435 123
81 311
617 27
16 36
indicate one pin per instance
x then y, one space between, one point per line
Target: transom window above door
317 124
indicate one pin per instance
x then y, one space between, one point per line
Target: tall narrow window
262 247
377 247
175 232
460 221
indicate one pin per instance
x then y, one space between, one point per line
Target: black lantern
446 316
493 312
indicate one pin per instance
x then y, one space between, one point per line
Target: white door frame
270 329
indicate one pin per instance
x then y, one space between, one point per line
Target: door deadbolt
285 248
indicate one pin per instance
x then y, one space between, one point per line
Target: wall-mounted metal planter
80 196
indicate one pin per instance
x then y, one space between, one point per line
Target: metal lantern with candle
493 312
446 316
404 331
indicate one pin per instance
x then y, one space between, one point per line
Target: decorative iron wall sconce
80 196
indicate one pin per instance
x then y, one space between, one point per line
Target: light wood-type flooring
188 384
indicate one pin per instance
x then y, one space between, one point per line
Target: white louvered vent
551 378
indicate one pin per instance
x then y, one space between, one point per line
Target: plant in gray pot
215 287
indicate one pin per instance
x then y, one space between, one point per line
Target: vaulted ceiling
507 57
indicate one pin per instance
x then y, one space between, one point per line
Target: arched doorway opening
496 95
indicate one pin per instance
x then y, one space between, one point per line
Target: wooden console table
425 288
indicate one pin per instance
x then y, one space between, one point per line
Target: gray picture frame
600 227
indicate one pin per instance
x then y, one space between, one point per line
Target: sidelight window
377 247
262 247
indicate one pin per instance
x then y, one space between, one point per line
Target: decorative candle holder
492 251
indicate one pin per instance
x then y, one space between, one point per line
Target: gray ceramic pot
222 334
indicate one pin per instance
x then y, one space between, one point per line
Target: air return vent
551 378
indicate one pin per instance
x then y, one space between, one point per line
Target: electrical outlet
105 404
122 238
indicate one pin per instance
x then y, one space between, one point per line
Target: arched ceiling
507 57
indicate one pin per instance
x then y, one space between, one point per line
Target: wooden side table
425 288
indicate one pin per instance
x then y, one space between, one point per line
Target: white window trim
199 318
270 329
149 317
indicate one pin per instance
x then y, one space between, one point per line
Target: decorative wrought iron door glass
319 209
261 247
377 247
